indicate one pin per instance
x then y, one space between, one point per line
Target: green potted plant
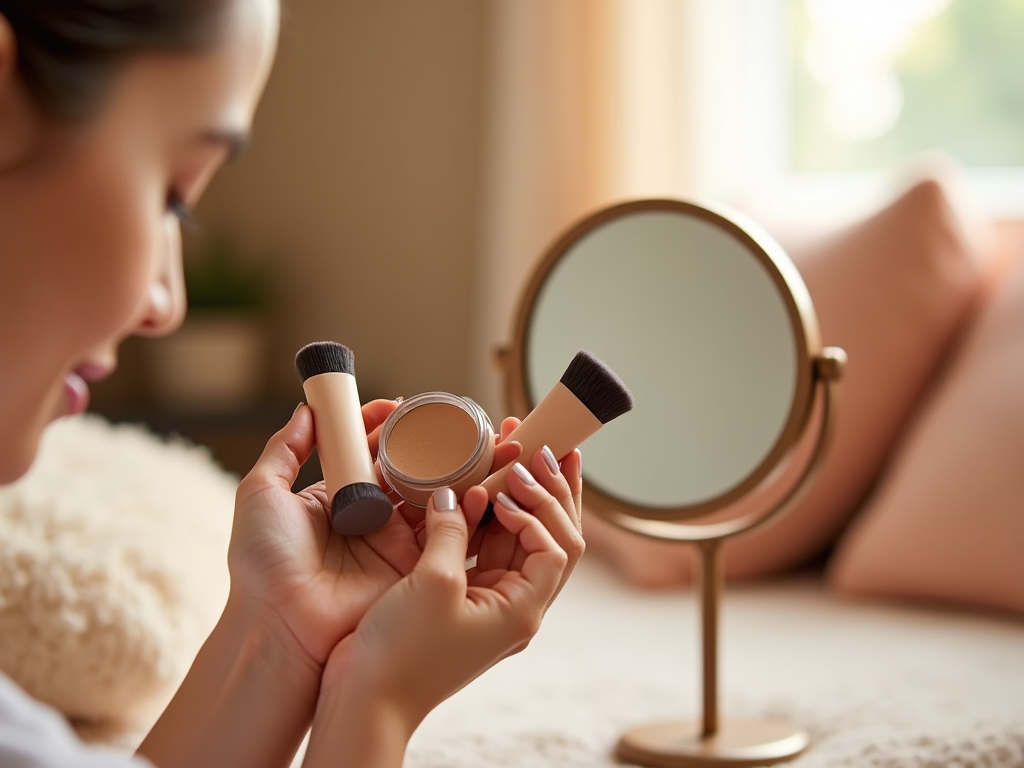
216 360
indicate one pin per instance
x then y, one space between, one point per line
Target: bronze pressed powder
434 440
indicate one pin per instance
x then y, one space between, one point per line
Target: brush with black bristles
358 505
587 397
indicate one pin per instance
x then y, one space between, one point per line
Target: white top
33 735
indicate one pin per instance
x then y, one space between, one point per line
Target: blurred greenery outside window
870 83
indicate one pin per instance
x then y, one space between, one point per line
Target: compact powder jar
434 440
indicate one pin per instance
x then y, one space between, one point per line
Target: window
869 83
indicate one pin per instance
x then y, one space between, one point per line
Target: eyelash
176 205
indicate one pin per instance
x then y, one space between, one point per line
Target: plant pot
214 362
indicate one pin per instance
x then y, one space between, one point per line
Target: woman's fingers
474 506
318 491
444 552
550 496
497 548
572 471
505 453
561 480
508 424
545 560
544 491
283 456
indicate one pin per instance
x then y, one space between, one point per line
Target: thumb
285 453
444 553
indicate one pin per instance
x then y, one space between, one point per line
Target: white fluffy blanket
875 685
113 569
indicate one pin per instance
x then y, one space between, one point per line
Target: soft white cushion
113 570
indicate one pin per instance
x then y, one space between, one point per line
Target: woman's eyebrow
235 141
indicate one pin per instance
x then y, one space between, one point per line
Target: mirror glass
689 314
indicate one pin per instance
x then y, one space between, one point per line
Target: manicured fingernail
506 501
580 460
399 399
444 500
297 408
523 474
549 459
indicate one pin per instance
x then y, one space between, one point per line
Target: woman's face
89 238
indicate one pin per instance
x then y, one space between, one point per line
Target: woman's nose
165 300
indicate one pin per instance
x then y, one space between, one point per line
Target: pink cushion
893 291
947 521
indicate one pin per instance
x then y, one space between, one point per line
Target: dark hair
70 50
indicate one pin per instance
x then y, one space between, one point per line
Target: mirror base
738 743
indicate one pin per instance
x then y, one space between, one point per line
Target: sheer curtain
594 101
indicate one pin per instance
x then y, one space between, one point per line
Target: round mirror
707 321
710 325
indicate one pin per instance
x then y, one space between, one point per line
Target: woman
113 117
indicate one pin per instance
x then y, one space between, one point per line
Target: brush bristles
324 357
359 509
597 387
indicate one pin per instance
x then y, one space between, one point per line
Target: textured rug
875 685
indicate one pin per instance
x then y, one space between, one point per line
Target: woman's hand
556 501
296 589
285 558
431 634
550 491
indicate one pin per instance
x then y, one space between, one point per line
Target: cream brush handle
340 434
560 421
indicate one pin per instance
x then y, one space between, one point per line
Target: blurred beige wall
362 182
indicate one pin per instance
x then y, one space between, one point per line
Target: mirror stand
698 309
711 743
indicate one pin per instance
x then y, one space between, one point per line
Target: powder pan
435 440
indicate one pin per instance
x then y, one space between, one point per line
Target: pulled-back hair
70 50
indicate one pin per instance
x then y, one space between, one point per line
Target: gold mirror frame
709 741
799 310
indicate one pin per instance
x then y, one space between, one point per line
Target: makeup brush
587 397
358 505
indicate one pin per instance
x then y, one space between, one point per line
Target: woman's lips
76 387
93 371
77 392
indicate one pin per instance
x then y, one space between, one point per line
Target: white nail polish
506 501
549 459
523 474
444 500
